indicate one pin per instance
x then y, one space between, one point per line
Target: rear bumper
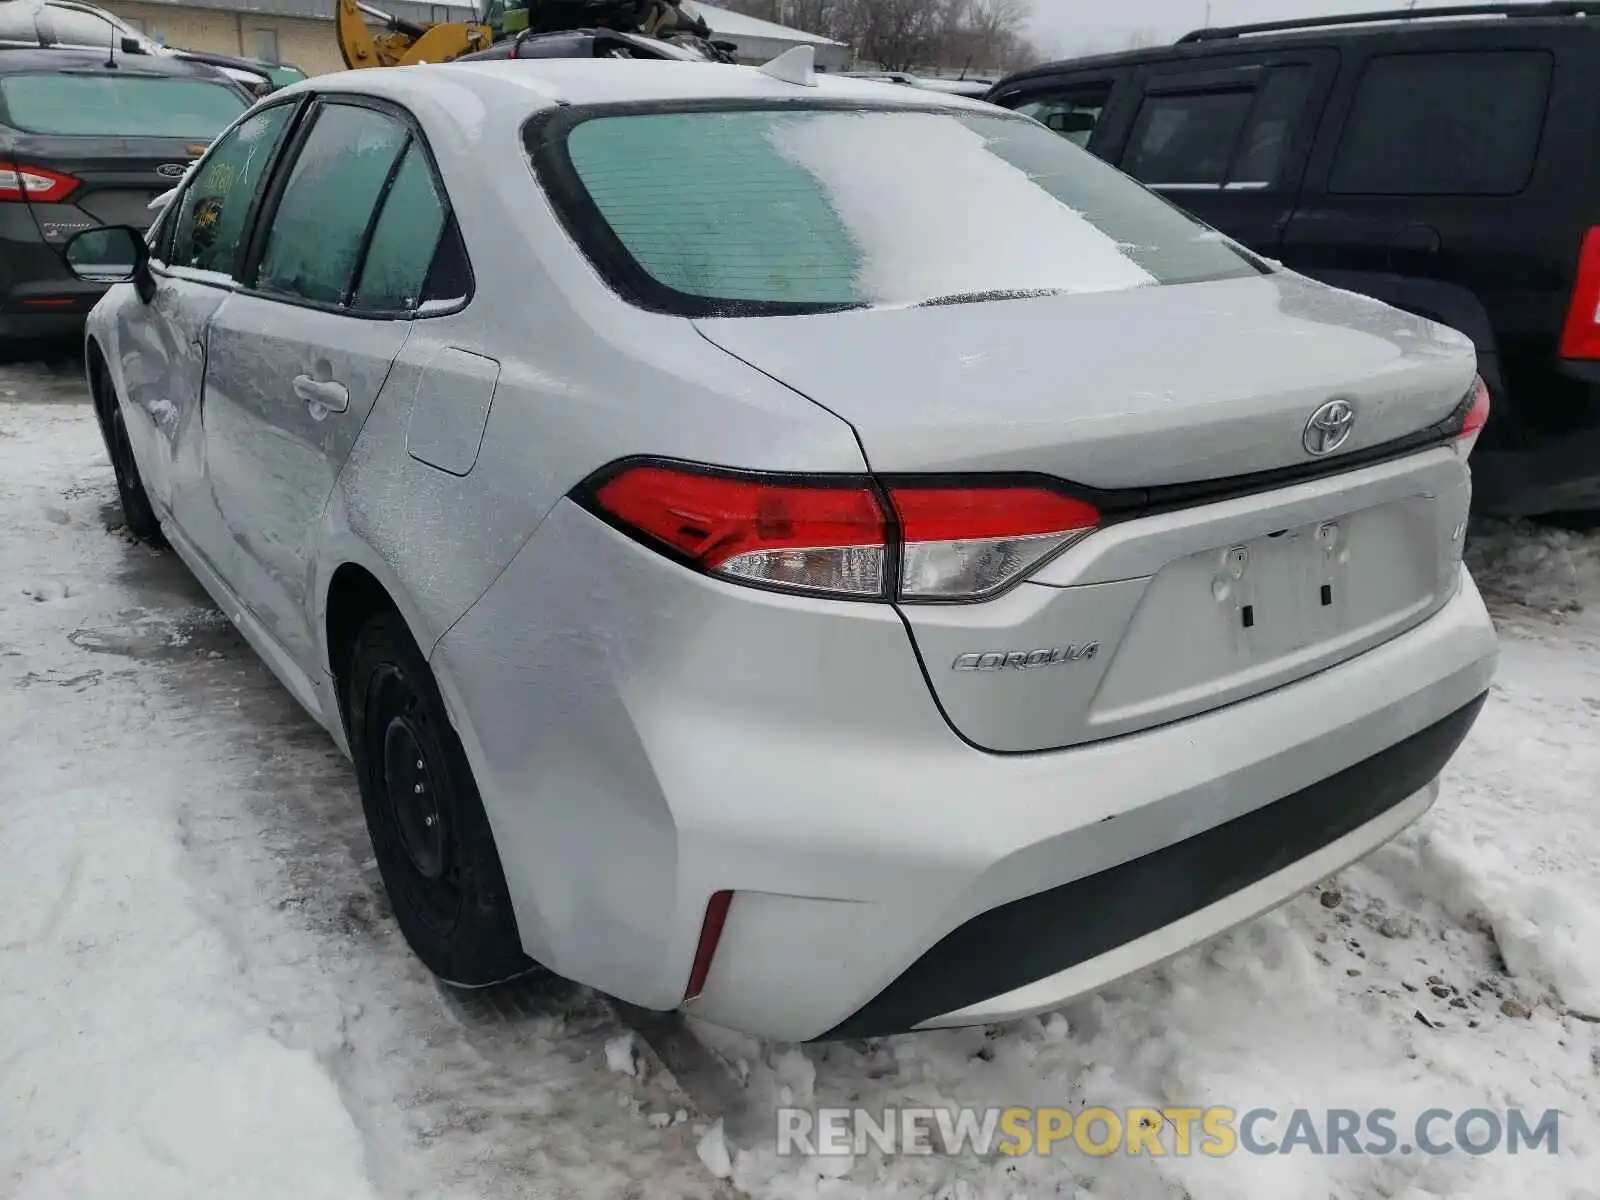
1046 901
39 297
49 326
645 737
1039 951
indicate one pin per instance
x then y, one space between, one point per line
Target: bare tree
997 23
896 34
814 16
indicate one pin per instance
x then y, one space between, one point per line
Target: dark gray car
87 141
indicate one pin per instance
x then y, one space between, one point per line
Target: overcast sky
1069 27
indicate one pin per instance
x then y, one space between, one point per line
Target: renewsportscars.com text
1213 1132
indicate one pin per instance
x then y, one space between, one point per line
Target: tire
137 510
429 832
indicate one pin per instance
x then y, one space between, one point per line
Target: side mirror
132 45
111 254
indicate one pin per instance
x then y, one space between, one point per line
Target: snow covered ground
202 993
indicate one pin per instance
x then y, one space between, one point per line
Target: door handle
1413 249
326 394
1416 239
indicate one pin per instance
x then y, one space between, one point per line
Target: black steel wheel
429 831
137 510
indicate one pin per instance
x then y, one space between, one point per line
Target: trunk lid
117 178
1133 388
1153 618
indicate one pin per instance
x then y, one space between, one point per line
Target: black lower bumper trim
1028 939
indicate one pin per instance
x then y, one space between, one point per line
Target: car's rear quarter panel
645 736
584 379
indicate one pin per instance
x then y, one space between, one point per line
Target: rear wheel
137 510
429 832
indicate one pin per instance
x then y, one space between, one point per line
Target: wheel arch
354 595
355 583
97 370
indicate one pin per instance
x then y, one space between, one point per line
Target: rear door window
403 239
1461 124
1269 133
1072 111
1187 138
109 105
1237 134
214 208
361 217
320 227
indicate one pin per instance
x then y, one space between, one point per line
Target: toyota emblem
1329 427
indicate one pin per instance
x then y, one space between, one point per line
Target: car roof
78 59
81 6
1420 27
75 5
551 81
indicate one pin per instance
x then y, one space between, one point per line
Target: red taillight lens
1477 417
1580 338
34 183
967 543
829 535
822 537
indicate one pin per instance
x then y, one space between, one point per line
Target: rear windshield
803 209
111 106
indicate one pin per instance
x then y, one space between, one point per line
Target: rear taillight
1477 417
967 543
34 183
806 536
1580 337
834 536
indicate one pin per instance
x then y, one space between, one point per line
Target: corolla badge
1025 660
1329 427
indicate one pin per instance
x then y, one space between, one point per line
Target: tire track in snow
501 1093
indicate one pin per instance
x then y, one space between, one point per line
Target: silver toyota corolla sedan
829 557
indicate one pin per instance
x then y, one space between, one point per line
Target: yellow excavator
396 42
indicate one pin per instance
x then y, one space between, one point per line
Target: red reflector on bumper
710 935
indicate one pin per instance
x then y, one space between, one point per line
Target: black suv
1446 161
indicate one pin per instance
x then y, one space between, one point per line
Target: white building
301 31
759 41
